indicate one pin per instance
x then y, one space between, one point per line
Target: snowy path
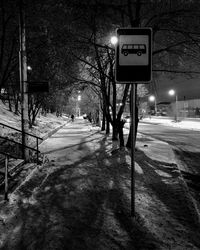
69 143
80 199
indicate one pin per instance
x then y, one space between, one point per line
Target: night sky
190 88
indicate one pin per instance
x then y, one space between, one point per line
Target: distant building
188 96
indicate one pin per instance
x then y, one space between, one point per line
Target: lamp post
23 81
79 99
153 99
113 41
172 92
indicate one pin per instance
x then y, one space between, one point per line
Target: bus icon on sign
138 49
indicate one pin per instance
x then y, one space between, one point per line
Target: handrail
4 125
18 143
8 154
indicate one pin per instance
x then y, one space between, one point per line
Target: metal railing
12 149
37 139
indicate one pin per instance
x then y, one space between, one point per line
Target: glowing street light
119 104
153 99
29 67
114 40
79 97
172 92
78 106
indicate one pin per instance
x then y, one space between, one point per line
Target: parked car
161 113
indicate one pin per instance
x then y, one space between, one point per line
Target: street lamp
79 97
153 99
172 93
79 110
114 40
29 68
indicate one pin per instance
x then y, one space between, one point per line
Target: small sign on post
134 55
133 64
34 87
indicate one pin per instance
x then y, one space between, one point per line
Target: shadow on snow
86 205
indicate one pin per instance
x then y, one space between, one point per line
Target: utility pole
176 105
23 81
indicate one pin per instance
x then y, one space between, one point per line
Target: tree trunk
107 126
103 126
134 23
121 134
128 144
114 131
9 103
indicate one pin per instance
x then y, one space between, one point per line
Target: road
186 143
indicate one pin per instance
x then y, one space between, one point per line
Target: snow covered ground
45 124
187 123
80 197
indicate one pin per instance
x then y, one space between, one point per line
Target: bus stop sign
133 55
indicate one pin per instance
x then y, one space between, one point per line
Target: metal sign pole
133 65
133 132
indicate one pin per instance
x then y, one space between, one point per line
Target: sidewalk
80 198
